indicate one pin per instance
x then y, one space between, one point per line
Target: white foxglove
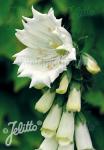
65 131
74 99
68 147
51 122
45 102
49 144
82 136
49 49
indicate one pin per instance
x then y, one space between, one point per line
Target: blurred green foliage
85 20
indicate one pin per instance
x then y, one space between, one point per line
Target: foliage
85 20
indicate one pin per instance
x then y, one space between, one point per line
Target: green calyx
80 118
75 85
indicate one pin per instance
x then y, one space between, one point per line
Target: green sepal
80 118
75 85
59 100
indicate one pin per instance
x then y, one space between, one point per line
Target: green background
85 20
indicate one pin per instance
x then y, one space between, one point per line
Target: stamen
54 44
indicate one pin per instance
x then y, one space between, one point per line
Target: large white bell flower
48 51
49 144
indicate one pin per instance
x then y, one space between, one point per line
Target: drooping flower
82 137
90 63
49 144
65 131
66 78
68 147
45 102
51 122
49 49
74 99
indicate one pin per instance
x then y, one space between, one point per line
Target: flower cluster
49 52
62 123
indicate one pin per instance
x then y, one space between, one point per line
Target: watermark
18 128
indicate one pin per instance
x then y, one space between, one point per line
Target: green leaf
80 118
9 45
61 5
96 128
4 10
95 98
20 83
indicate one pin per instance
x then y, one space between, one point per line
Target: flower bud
49 144
65 131
45 102
74 98
51 122
82 137
90 63
64 83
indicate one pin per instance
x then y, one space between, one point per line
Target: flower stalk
49 51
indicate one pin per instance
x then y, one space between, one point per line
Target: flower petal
49 128
83 139
65 131
49 144
66 78
74 99
68 147
45 102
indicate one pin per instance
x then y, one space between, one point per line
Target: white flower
45 102
68 147
82 136
66 78
65 131
90 63
49 49
74 99
51 122
49 144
